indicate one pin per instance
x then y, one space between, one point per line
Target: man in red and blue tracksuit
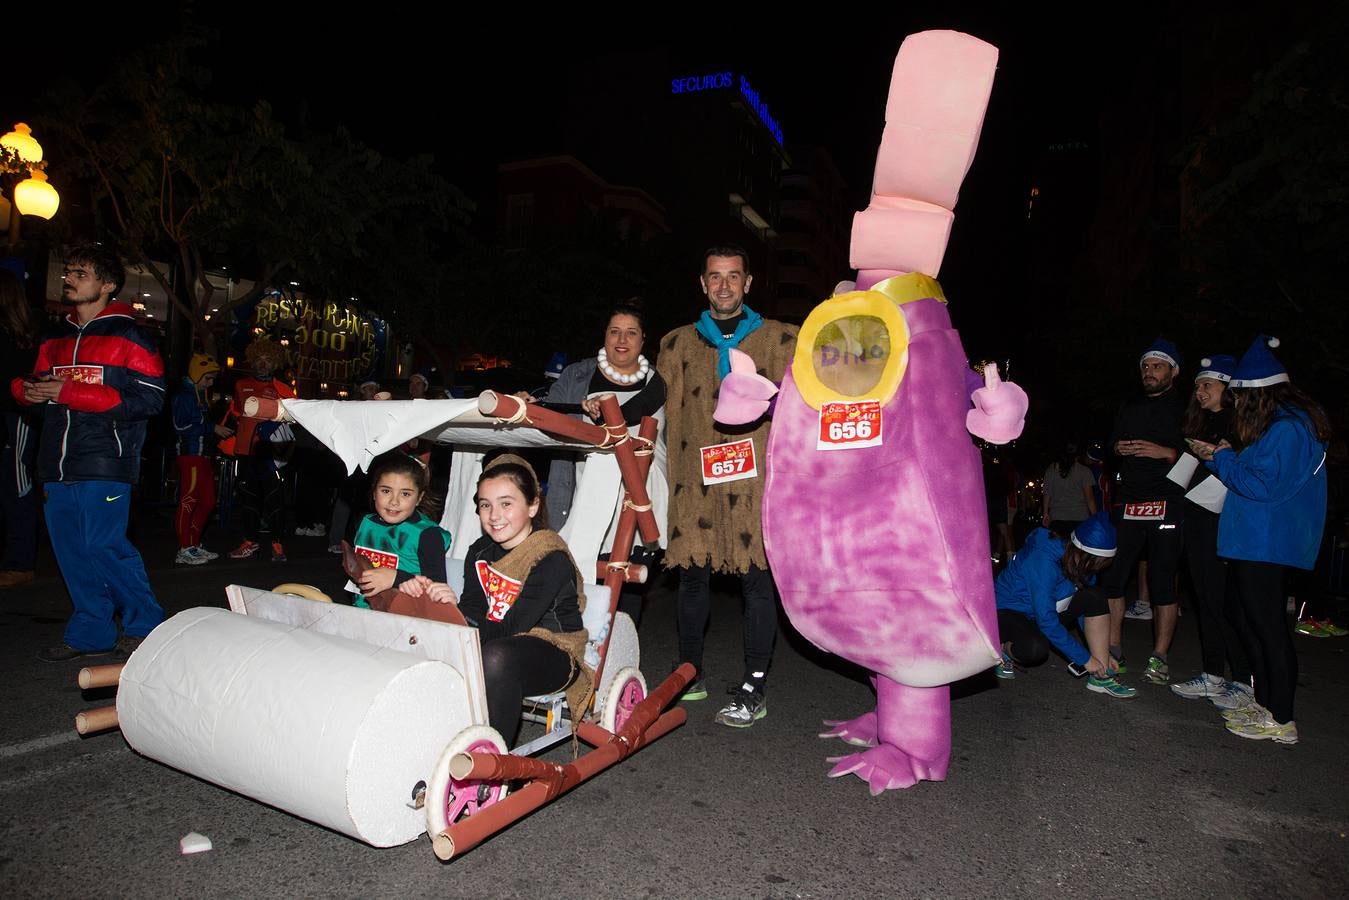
99 379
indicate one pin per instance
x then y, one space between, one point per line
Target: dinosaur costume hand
999 411
745 394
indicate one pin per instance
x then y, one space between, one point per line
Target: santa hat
556 363
1096 535
1219 367
1259 367
1164 350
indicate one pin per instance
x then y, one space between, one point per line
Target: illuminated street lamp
33 196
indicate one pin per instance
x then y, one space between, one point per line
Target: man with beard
1147 510
99 378
716 474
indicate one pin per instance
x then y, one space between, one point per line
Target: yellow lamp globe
21 141
35 197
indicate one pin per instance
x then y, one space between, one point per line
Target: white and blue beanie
1096 535
1164 350
1259 367
1219 367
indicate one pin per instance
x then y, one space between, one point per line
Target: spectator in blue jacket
98 379
1272 518
1047 588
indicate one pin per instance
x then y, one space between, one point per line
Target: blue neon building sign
720 80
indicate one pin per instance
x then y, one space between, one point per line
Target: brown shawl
517 564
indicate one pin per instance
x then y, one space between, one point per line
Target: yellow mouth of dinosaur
855 346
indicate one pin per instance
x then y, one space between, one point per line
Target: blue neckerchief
708 328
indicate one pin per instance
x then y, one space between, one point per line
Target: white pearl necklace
617 377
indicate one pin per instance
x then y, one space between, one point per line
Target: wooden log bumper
264 408
633 573
624 534
646 724
92 721
634 475
100 676
513 409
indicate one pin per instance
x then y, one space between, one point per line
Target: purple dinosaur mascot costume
873 513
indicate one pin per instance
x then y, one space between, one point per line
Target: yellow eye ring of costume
881 302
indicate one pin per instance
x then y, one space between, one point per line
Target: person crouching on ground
1048 585
524 594
398 538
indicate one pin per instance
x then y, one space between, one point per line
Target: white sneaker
1200 686
1138 610
188 557
1237 696
202 551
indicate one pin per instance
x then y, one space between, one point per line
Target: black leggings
695 606
1273 657
1223 633
261 494
517 667
1029 645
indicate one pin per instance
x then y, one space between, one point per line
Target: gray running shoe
747 706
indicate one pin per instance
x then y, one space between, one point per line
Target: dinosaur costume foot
860 732
887 767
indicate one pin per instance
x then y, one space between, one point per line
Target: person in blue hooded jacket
1272 518
1048 586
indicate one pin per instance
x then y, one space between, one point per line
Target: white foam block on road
194 843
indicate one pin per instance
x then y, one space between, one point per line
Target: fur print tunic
719 524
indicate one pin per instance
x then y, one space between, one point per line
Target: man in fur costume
716 474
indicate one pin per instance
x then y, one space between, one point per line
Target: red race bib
849 424
380 559
728 462
1150 511
501 590
85 374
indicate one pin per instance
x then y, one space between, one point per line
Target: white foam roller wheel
307 591
624 651
447 799
626 690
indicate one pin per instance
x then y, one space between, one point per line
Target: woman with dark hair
1047 587
19 497
1272 518
524 594
619 368
1222 624
1068 496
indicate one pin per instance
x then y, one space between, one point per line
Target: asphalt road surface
1052 790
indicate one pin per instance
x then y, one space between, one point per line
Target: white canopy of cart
359 431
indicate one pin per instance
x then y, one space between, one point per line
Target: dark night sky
476 93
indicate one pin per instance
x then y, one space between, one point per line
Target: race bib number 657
728 462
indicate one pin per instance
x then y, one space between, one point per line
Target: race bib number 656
728 462
848 425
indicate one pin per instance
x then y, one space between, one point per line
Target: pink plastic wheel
448 799
628 690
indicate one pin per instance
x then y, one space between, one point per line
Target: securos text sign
718 80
